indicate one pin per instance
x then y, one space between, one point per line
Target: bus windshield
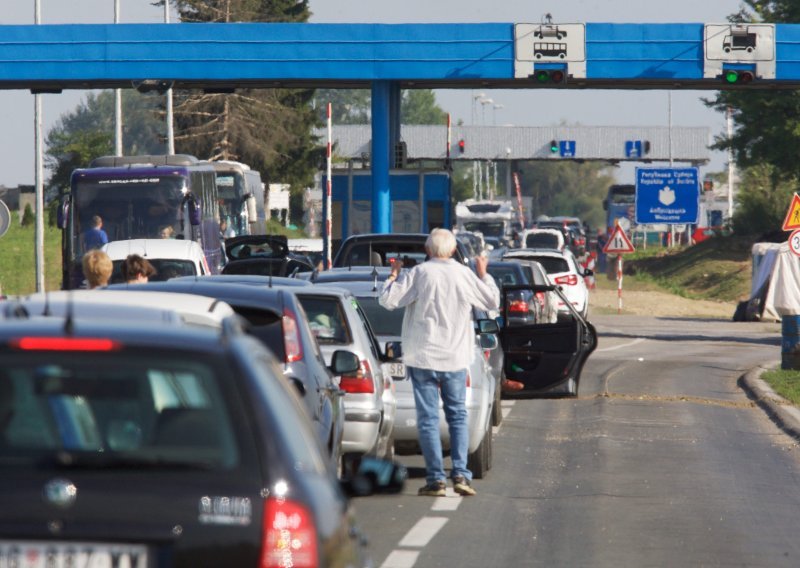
231 191
131 207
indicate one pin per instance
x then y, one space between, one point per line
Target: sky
516 107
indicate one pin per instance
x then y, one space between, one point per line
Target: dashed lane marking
621 345
447 503
401 559
423 532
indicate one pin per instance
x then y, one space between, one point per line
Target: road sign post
619 244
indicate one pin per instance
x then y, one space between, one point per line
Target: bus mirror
250 204
194 213
63 213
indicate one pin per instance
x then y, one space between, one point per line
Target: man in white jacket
438 339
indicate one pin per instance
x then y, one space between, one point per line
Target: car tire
497 410
479 461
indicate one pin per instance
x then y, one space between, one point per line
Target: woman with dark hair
137 270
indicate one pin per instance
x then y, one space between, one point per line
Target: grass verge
784 382
18 260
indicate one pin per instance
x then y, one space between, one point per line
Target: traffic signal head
737 77
549 76
461 146
554 147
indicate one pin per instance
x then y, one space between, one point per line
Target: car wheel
478 462
497 410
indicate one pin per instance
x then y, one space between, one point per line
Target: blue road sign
667 195
633 148
567 148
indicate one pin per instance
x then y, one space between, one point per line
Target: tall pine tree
268 129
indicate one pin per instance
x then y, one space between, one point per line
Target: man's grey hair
441 243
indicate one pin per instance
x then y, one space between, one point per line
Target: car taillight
289 535
570 280
360 382
518 307
65 344
291 337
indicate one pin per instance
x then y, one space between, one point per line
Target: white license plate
395 370
33 554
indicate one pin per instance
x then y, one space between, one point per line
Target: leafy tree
88 132
269 129
352 106
419 106
762 206
766 138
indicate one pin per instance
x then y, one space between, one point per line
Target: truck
494 218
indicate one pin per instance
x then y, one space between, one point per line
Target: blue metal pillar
381 156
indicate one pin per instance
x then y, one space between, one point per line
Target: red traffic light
461 145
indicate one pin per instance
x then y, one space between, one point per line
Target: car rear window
116 410
542 240
506 276
165 269
267 327
552 264
383 321
327 319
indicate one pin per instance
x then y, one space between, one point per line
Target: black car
381 249
263 255
277 318
138 445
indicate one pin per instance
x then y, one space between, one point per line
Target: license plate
395 370
33 554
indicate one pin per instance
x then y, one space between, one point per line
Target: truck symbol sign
739 41
550 31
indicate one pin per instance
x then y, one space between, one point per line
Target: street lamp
476 98
484 101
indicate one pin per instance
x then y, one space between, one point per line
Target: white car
543 238
170 257
338 322
563 270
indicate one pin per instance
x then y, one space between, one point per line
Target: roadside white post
39 176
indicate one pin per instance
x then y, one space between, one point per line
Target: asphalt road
662 460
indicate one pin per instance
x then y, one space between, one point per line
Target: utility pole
39 195
117 101
170 127
731 166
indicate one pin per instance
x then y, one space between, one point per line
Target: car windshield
115 410
327 319
383 321
542 240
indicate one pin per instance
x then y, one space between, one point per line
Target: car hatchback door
545 358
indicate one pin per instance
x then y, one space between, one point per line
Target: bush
28 217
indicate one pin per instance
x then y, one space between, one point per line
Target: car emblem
60 493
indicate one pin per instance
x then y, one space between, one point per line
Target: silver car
338 322
366 284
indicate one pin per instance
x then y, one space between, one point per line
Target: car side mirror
488 341
394 350
344 362
488 326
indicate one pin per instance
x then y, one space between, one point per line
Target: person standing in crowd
438 339
95 237
97 269
137 270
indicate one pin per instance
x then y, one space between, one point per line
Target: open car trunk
545 358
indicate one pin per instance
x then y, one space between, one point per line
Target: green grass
18 261
786 383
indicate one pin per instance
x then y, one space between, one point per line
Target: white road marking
448 503
401 559
424 531
621 345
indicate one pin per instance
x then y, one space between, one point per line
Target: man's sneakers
433 489
462 486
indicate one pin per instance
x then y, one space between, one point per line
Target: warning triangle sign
618 243
792 220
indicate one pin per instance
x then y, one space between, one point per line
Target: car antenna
69 324
375 278
46 311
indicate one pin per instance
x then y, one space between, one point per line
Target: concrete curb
780 410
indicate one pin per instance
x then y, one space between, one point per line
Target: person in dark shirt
95 237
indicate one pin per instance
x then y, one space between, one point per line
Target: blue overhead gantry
386 58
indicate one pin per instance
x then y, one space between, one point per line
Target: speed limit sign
794 242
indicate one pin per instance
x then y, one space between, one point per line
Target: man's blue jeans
453 385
